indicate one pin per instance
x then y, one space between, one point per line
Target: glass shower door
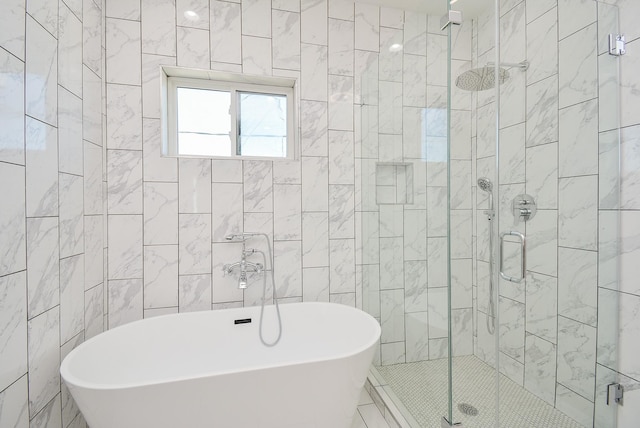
546 217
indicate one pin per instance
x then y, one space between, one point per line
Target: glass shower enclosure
488 211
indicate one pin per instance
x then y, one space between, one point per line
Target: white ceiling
469 8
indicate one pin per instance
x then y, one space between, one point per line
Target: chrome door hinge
452 17
617 44
444 423
615 393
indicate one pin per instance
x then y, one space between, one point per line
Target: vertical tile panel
13 315
42 169
150 76
578 213
160 276
159 27
313 128
392 315
160 213
71 215
194 186
313 80
288 268
71 297
155 166
342 262
315 239
313 21
124 117
367 27
578 67
12 98
70 131
12 27
125 191
227 216
41 84
226 37
193 48
125 246
44 359
256 56
92 36
70 51
258 186
341 211
14 403
576 357
43 264
287 214
286 40
125 301
123 51
341 47
194 292
93 250
194 243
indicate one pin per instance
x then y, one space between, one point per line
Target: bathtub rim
73 381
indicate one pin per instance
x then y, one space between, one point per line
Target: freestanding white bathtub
204 369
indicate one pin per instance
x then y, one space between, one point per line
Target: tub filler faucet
243 265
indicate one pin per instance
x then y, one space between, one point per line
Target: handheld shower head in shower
485 184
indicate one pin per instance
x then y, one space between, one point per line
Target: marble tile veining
12 219
44 359
13 336
43 264
11 107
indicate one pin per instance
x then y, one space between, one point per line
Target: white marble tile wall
52 222
567 158
409 126
327 227
157 206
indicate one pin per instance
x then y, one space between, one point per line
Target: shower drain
467 409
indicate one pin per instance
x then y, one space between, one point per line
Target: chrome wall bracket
452 17
615 393
617 45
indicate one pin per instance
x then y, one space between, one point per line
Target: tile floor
422 388
368 415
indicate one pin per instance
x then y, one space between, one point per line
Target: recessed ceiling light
191 15
453 1
396 47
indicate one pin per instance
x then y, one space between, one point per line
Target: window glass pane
263 125
204 145
204 122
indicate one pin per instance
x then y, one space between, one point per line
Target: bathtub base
203 370
305 399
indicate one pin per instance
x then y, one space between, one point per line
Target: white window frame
174 78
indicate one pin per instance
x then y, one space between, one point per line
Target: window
210 114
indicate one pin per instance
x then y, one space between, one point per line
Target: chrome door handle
523 256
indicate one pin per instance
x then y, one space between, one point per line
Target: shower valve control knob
524 208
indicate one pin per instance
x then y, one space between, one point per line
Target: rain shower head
483 78
480 79
485 184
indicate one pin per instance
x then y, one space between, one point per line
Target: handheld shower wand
486 186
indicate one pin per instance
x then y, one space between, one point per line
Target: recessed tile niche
394 183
